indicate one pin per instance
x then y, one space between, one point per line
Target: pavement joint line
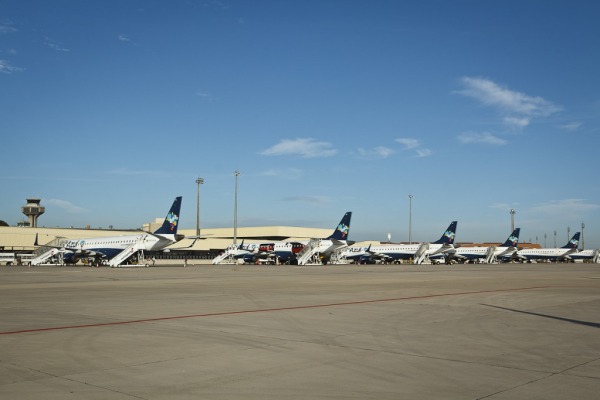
304 307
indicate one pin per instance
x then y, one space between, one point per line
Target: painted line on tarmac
261 310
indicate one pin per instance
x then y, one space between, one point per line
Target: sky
110 109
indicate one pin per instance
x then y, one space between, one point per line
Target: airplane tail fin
513 239
343 229
448 236
574 242
171 222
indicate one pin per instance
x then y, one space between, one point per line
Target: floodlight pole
582 237
410 197
236 174
512 220
199 182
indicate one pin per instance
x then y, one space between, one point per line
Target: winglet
343 229
448 236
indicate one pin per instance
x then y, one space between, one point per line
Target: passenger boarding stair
227 254
132 249
489 256
421 253
596 256
47 251
310 253
45 256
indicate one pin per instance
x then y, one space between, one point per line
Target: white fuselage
406 251
481 252
547 254
113 245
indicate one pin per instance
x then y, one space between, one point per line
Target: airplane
552 254
236 251
117 249
592 255
356 253
396 252
323 249
506 249
286 252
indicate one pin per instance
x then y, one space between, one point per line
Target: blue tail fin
343 229
513 239
448 236
169 226
573 243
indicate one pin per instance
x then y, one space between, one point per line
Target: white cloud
56 45
6 27
423 153
303 147
518 107
408 143
6 68
207 96
123 38
492 94
414 144
485 138
65 205
572 126
565 207
516 122
377 152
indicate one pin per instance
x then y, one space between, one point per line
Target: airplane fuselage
477 252
544 254
108 247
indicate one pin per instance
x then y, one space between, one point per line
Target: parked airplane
592 255
288 251
236 251
117 249
394 252
488 253
321 250
553 254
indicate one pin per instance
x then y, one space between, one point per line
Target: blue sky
110 109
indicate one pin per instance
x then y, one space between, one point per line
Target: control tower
33 210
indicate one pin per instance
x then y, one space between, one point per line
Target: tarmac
508 331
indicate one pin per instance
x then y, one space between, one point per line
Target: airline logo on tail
172 219
574 242
449 235
343 229
513 239
169 226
